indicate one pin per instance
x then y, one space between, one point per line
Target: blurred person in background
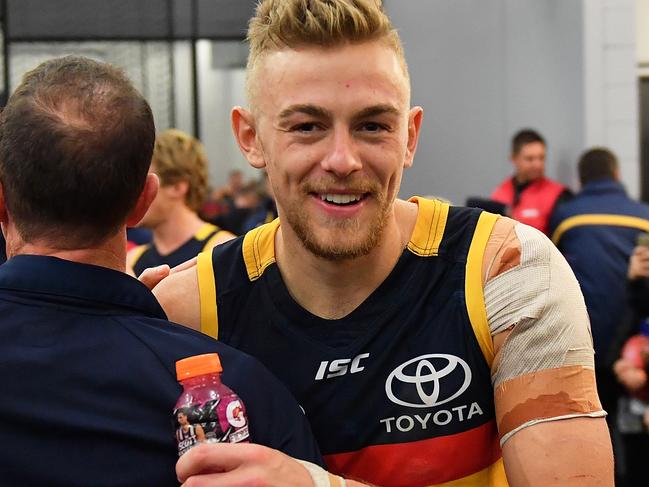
632 349
179 234
263 212
639 280
221 200
530 196
596 231
254 205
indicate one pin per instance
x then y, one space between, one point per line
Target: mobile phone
643 239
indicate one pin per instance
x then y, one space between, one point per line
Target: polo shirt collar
58 277
604 186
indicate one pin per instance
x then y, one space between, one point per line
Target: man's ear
4 216
245 131
179 189
143 203
415 117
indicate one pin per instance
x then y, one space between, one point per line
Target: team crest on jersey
428 380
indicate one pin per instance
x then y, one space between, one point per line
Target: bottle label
221 420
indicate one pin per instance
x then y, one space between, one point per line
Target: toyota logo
422 371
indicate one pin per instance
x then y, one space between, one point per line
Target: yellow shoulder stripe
473 289
599 219
211 242
205 231
135 254
429 227
259 249
207 294
492 476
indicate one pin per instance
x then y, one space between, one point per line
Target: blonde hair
178 156
280 24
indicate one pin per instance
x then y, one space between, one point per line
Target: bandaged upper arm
544 370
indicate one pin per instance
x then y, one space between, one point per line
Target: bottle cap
208 363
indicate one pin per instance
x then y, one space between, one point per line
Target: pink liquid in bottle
207 410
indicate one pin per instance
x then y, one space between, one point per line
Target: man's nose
342 157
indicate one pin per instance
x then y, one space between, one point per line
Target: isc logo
340 367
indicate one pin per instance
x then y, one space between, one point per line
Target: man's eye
305 127
372 127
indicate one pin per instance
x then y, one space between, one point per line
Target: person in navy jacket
597 232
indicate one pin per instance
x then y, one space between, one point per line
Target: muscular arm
568 453
200 433
547 408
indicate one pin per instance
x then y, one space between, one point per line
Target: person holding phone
632 365
638 285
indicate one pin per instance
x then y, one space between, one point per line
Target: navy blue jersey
147 255
398 392
88 385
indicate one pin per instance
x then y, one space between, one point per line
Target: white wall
642 36
483 70
147 64
221 86
610 83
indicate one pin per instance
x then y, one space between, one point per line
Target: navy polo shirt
87 380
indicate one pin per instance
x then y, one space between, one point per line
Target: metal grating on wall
138 35
147 64
34 20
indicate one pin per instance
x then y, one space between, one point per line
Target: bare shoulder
503 249
178 296
221 237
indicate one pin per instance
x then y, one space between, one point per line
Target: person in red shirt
530 196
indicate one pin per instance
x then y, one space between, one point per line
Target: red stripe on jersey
423 462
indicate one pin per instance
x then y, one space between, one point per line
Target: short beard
343 249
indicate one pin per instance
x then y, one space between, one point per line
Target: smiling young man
418 337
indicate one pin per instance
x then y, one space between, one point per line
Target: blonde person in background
428 344
179 234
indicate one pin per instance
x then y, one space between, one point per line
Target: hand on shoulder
177 292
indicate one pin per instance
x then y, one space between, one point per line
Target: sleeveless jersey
181 434
398 392
148 256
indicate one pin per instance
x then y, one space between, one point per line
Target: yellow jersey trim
136 253
207 294
212 241
599 219
473 288
259 249
429 227
204 232
492 476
